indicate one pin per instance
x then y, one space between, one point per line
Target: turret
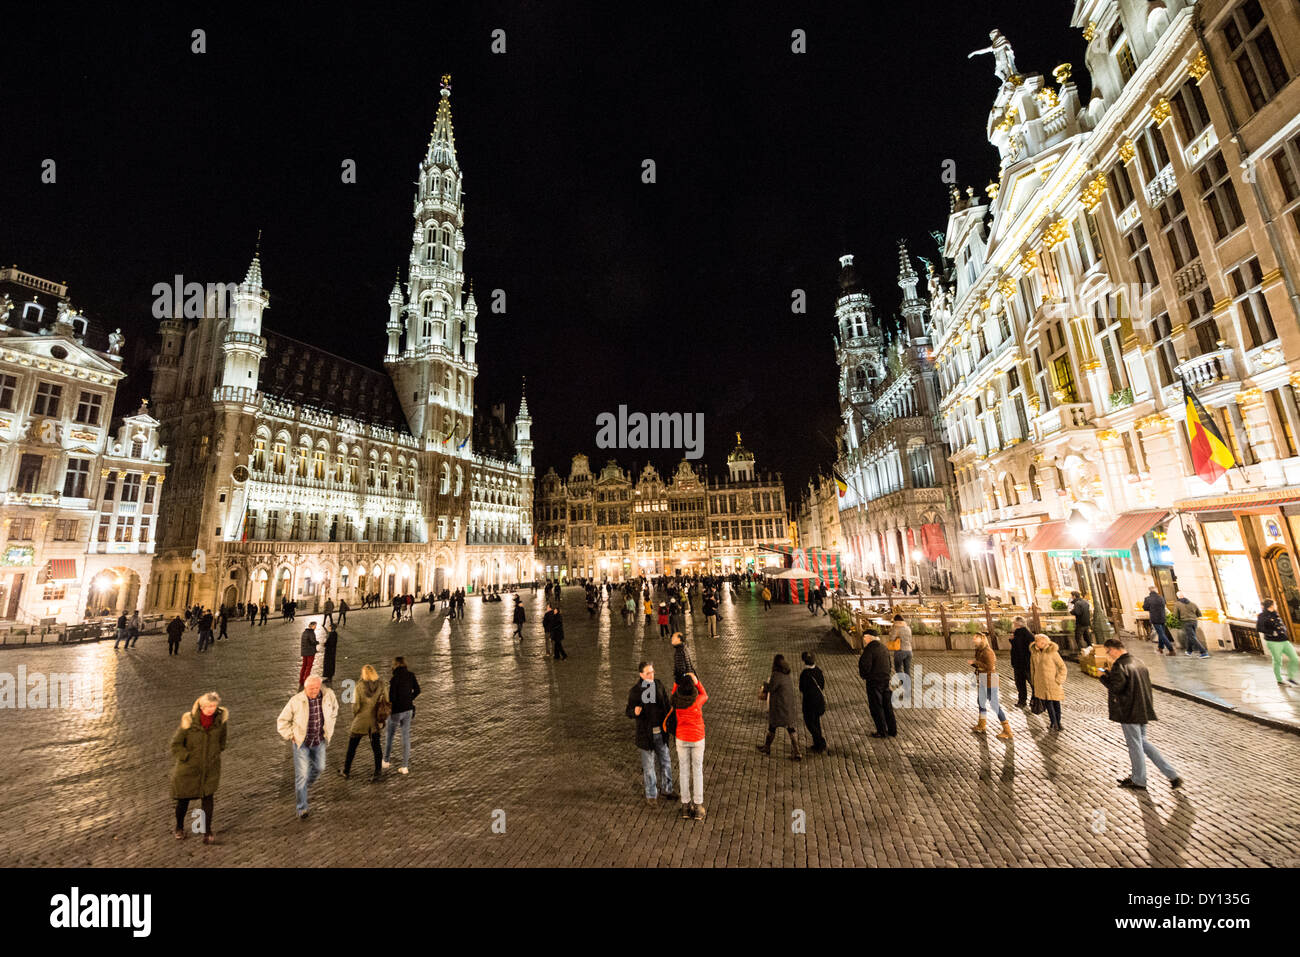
244 348
523 431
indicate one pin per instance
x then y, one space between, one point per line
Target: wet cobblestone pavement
502 728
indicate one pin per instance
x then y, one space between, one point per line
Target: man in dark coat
1155 607
1021 639
647 703
1129 702
205 631
557 634
812 691
519 619
175 629
331 648
1082 612
875 668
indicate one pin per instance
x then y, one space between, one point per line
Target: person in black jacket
557 634
1021 639
1154 605
175 629
403 689
875 668
1082 612
812 692
647 703
519 618
1129 702
681 660
331 649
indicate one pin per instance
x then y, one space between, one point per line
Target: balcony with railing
1209 370
1161 185
1066 417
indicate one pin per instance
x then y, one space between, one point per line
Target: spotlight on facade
917 555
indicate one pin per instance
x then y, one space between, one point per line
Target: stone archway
114 591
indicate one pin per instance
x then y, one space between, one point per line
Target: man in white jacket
307 721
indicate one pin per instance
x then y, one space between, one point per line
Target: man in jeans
308 722
1154 606
1190 615
647 703
403 689
1129 702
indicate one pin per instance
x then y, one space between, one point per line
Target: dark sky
666 297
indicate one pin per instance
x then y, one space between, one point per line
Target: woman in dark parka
197 746
780 707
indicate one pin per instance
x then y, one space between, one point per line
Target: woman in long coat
197 746
1048 672
779 690
365 719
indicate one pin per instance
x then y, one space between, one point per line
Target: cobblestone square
502 728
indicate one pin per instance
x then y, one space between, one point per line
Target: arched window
459 480
445 486
1035 490
860 378
446 246
1009 491
279 458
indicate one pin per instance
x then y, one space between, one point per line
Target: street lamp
1082 529
917 557
973 549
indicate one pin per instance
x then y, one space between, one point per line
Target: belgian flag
1211 456
840 484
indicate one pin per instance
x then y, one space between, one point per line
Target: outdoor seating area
50 632
950 623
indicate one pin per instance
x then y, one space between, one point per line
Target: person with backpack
403 689
686 722
1277 641
647 704
778 691
371 708
812 692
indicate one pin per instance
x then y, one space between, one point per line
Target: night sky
666 297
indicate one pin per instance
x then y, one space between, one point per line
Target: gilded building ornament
1162 111
1199 66
1062 73
1056 234
1089 31
1127 150
1093 192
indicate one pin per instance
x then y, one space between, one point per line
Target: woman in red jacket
688 699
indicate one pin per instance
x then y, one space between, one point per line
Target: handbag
1036 705
383 710
670 722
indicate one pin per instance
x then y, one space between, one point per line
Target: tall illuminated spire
442 144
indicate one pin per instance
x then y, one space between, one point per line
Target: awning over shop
1052 536
63 570
1128 528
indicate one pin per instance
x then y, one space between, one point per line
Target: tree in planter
1058 605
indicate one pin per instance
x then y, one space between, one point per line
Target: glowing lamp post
974 549
1082 529
918 556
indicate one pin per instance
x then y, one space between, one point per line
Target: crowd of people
668 718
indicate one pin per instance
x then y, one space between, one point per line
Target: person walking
557 635
266 610
252 613
875 669
1082 612
327 622
1154 605
205 631
1129 703
222 620
519 617
1048 672
986 683
812 693
711 613
196 748
1021 639
331 649
649 608
647 704
120 635
663 621
308 722
403 689
900 643
1277 641
367 721
133 628
767 598
1190 615
308 651
688 697
175 631
629 610
343 611
778 691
